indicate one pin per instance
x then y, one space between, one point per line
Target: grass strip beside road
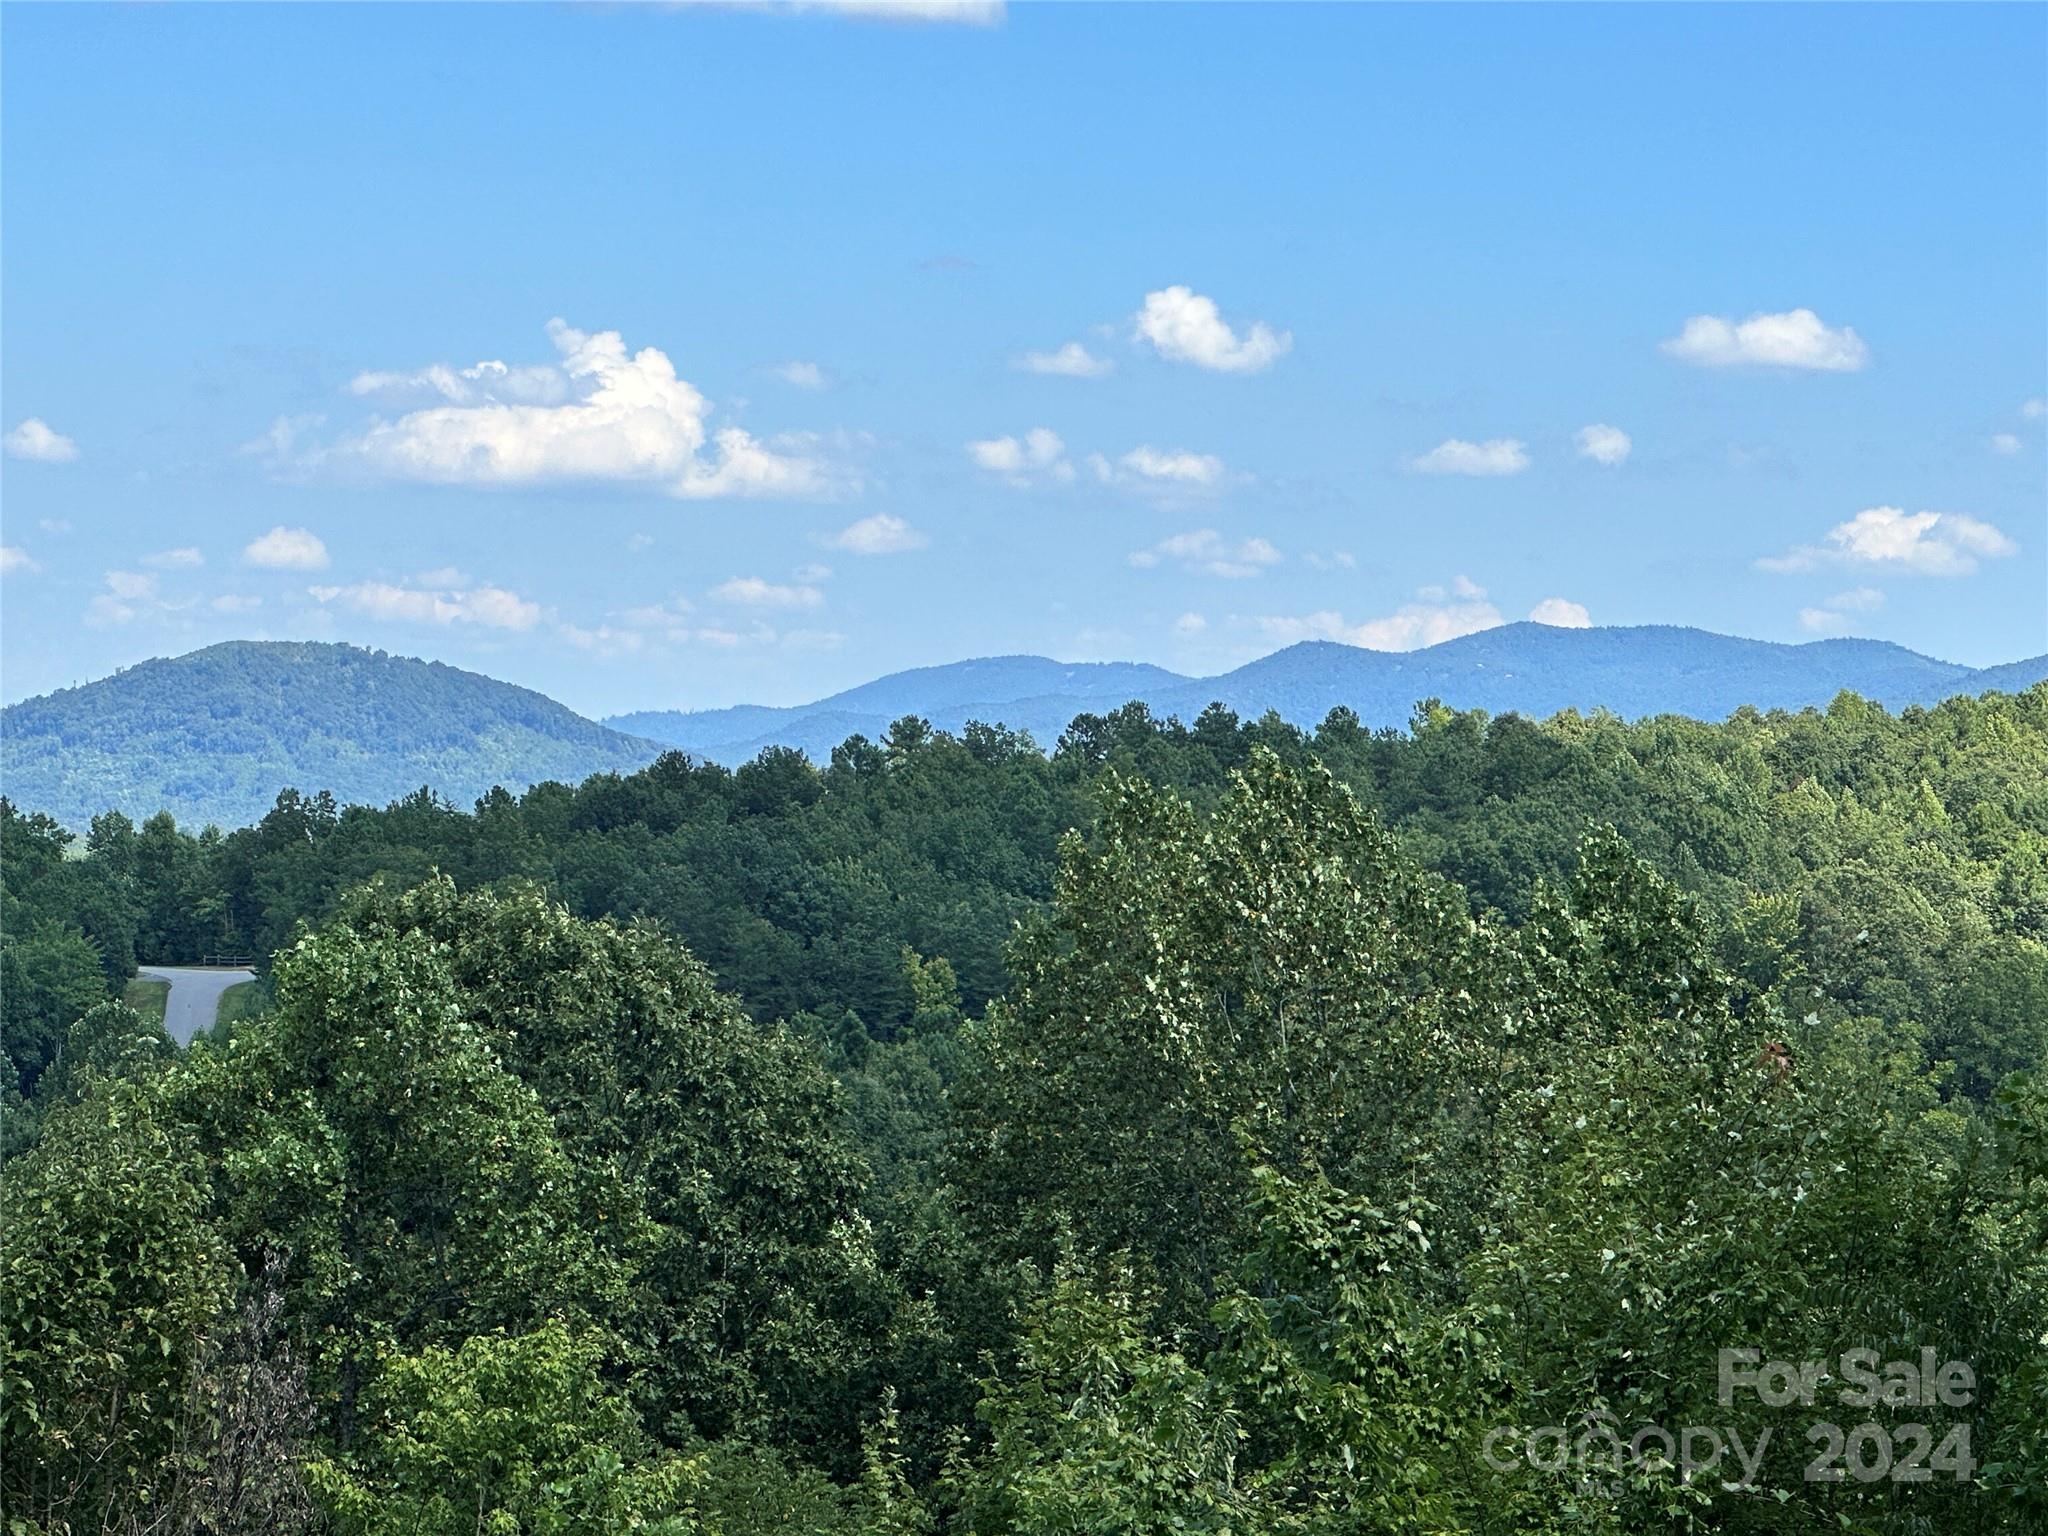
146 996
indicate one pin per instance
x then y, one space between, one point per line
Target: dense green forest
212 734
1199 1128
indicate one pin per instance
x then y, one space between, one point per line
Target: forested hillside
1216 1127
212 735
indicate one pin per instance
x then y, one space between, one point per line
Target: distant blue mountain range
212 736
1533 669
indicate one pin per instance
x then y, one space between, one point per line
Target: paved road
194 998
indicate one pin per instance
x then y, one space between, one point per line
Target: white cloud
1072 361
1038 455
54 524
1794 339
1837 614
1207 551
1426 621
603 640
1455 456
15 560
175 559
1603 444
1190 624
479 384
128 592
285 442
2035 409
659 627
1335 560
230 602
34 439
617 417
489 607
1561 613
801 375
1174 464
1186 327
882 534
1145 465
961 13
2004 442
753 592
1923 543
287 549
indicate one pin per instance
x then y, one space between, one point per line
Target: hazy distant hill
1530 668
1023 692
212 736
2012 677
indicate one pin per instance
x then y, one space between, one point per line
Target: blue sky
1377 324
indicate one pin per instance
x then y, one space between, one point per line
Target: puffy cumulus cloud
753 592
485 606
1206 551
1455 456
1072 361
2035 409
287 549
1921 543
2005 443
15 561
175 559
35 439
1794 339
1186 327
1434 617
1036 457
1604 444
617 416
882 534
235 602
801 375
1332 560
1561 613
1174 466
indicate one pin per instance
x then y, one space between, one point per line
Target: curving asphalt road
194 998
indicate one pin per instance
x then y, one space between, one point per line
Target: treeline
1213 1128
1901 860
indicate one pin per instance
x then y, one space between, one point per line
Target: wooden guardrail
228 962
